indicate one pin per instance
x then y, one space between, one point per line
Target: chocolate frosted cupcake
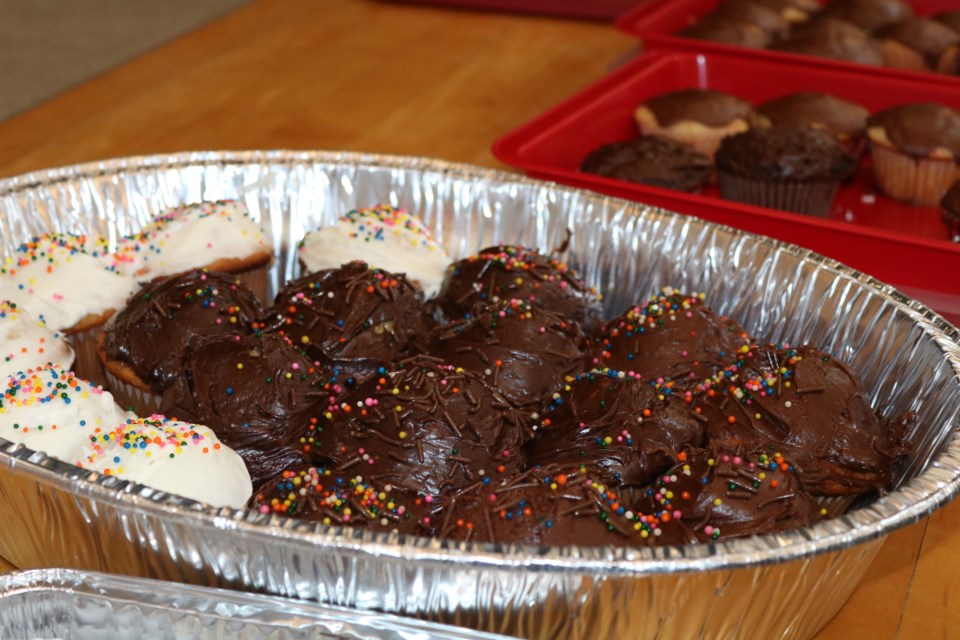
673 337
724 493
920 44
846 120
142 346
915 149
812 409
506 272
950 211
653 160
795 170
734 32
524 352
869 14
554 505
355 317
793 11
832 38
949 18
617 425
316 494
258 394
425 426
700 117
769 20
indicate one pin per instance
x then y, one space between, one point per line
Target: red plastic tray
656 22
906 246
604 10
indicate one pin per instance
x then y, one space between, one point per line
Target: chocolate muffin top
869 14
785 155
812 409
706 106
817 111
751 12
426 426
150 334
920 128
723 493
617 425
257 393
832 38
316 494
927 37
949 18
355 317
673 336
807 7
735 32
523 351
553 505
653 160
506 272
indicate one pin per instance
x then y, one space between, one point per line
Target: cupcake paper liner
811 198
920 181
258 281
143 403
87 363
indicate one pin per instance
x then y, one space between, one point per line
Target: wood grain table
400 79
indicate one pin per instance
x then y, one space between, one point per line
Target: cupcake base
812 198
919 181
132 398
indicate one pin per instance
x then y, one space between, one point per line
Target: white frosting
57 279
49 409
177 457
193 236
26 343
383 237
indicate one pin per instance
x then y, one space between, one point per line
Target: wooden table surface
400 79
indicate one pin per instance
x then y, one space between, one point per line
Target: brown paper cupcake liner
86 364
143 403
919 181
258 281
811 198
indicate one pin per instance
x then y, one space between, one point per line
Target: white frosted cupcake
49 409
385 238
177 457
27 343
69 283
218 236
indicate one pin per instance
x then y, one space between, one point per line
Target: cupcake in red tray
844 119
219 236
832 38
949 18
869 14
920 44
653 160
915 148
795 169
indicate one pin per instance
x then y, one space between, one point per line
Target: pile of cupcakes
791 153
482 399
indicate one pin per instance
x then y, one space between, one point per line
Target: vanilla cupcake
27 343
50 409
699 117
67 282
176 457
219 236
915 149
384 237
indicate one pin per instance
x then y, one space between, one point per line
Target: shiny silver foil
64 603
782 585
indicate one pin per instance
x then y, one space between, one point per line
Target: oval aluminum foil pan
783 585
64 603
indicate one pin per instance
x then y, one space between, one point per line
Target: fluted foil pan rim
930 490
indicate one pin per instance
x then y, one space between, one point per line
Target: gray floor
48 46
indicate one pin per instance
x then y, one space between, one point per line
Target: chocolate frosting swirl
617 425
523 351
788 155
355 317
673 336
152 331
258 394
653 160
706 106
722 493
506 272
426 426
816 110
312 493
553 505
813 410
920 128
